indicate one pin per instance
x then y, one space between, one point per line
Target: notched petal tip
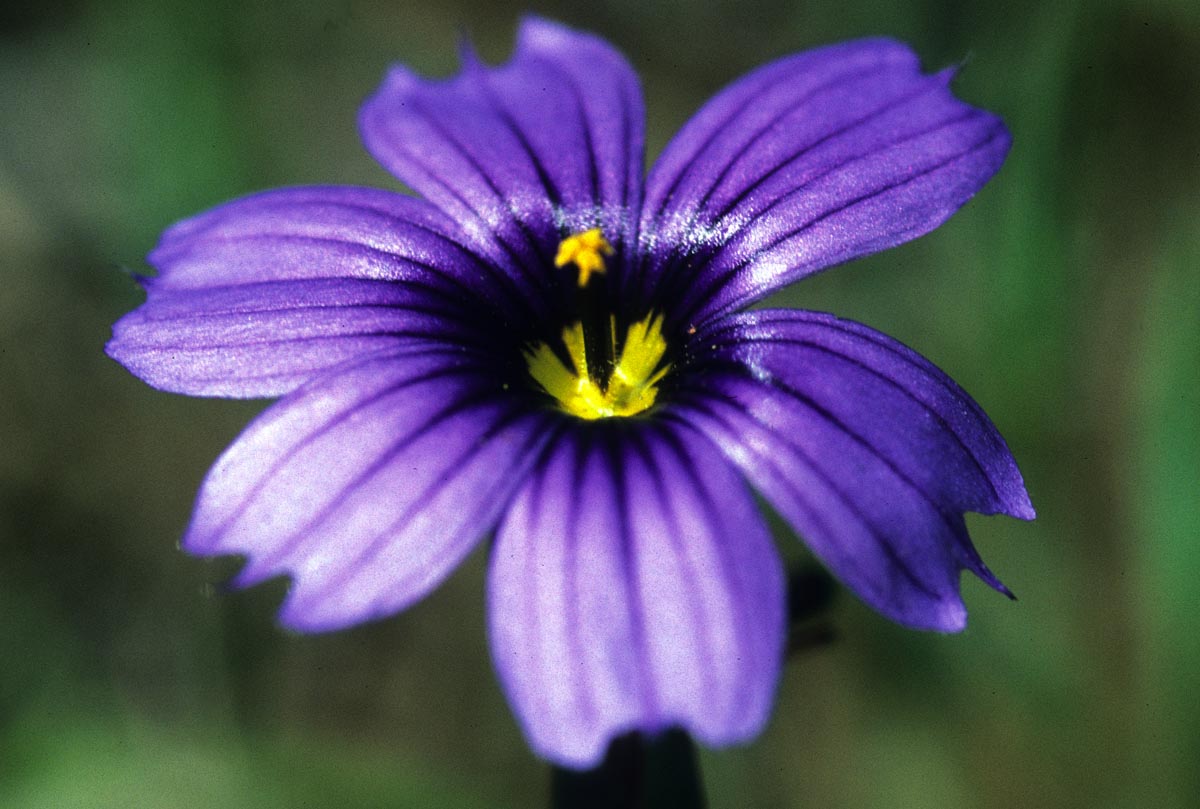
507 151
815 160
294 614
877 492
367 486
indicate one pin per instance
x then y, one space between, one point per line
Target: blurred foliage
1064 297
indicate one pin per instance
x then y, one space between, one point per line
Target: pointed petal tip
949 616
140 278
947 75
112 346
991 580
468 57
1013 497
160 254
1023 508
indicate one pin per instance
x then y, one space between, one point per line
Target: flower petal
547 144
805 163
259 295
633 585
868 450
370 485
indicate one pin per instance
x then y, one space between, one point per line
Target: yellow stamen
631 387
586 251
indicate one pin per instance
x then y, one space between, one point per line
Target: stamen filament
631 388
586 251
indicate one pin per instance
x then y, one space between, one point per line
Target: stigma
631 386
586 251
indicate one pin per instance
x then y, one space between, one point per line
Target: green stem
637 773
662 772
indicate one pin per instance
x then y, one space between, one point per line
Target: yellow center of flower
586 251
629 389
601 376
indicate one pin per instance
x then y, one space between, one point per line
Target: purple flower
549 345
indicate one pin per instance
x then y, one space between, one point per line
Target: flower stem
662 772
638 773
810 592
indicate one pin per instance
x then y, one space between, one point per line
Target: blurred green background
1065 298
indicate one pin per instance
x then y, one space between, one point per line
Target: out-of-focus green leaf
109 762
1166 482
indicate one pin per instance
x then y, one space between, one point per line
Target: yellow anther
631 386
586 251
